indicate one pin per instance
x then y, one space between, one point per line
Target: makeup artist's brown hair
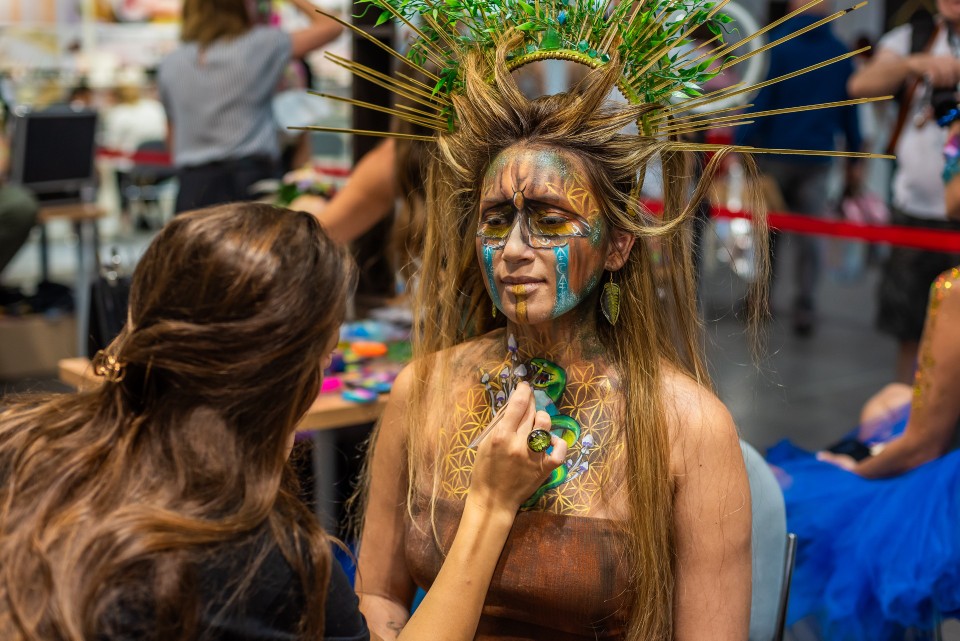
111 499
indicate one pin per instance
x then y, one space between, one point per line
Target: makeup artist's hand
506 471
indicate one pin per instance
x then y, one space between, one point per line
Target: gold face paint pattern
543 196
589 399
562 209
520 291
945 285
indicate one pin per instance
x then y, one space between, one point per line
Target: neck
570 338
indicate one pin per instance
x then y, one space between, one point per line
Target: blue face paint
488 253
596 233
566 299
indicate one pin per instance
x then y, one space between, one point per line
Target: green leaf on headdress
551 40
526 26
528 9
384 16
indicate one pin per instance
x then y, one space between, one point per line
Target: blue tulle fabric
874 557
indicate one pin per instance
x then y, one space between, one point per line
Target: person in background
367 198
134 118
876 558
951 170
160 506
132 121
18 215
803 180
81 96
917 58
217 88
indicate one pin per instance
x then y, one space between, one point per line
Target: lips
520 280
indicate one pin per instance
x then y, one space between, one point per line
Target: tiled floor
807 389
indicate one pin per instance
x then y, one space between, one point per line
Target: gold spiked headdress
661 64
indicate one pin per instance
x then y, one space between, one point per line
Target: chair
140 186
773 552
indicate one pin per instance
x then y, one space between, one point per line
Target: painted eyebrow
486 204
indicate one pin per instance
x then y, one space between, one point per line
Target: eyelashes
539 228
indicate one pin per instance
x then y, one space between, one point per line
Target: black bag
109 298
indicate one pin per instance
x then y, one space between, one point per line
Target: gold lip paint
520 291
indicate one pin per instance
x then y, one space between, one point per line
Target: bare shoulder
464 356
945 291
434 377
700 426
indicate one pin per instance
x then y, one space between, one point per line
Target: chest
584 406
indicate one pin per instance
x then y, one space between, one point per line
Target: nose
517 248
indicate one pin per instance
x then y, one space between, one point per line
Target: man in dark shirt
803 180
18 215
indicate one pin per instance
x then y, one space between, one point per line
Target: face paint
565 298
488 253
539 199
520 292
539 228
596 235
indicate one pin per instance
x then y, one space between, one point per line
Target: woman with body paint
533 205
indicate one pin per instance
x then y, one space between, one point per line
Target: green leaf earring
610 301
493 312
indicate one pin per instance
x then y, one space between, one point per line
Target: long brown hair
658 323
112 497
205 21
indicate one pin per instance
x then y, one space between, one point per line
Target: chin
528 315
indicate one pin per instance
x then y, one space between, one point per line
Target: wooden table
328 412
84 217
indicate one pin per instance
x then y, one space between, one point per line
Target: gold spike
600 17
637 10
690 104
613 26
726 49
796 33
666 83
406 107
440 31
655 23
366 36
693 146
703 56
412 85
486 19
363 132
427 120
690 129
393 87
790 110
697 117
706 98
429 47
581 10
655 58
716 8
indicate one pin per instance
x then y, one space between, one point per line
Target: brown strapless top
559 578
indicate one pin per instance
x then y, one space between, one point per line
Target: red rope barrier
912 237
164 158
